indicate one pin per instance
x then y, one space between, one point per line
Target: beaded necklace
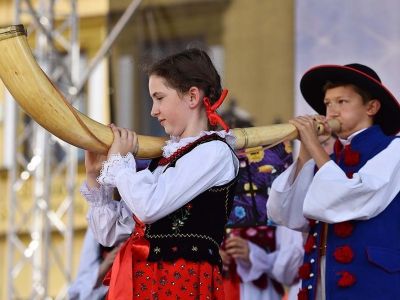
181 151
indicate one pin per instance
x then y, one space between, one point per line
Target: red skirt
132 277
176 280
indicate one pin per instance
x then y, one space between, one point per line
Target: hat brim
313 81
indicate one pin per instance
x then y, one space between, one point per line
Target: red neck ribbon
212 116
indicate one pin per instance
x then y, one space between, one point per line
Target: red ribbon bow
212 116
119 277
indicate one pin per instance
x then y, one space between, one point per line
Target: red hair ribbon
212 116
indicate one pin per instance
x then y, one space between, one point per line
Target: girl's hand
94 163
125 141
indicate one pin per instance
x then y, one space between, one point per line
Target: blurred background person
259 258
94 263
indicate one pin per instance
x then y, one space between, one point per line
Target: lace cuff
96 196
113 165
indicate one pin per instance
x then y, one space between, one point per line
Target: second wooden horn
44 103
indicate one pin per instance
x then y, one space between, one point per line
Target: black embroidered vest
195 231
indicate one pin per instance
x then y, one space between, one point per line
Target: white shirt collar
347 141
176 143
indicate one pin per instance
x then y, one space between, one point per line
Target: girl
173 213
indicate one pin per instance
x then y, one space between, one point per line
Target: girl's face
170 108
344 104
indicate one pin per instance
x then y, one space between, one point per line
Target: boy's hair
366 96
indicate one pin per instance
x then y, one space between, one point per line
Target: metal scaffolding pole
40 233
40 229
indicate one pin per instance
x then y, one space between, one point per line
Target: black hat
313 81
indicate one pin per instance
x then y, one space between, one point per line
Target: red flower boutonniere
344 254
350 174
343 229
312 222
346 280
310 245
305 271
302 295
351 158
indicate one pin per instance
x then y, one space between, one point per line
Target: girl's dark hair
188 68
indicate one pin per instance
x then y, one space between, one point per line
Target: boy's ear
373 107
195 97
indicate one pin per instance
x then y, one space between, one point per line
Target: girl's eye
327 103
342 101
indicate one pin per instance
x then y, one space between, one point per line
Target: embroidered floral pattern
239 212
180 216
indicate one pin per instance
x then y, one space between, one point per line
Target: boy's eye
342 101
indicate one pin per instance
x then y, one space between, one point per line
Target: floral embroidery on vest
180 216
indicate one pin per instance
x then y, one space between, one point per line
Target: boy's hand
306 125
323 138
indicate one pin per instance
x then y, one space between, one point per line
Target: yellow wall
259 41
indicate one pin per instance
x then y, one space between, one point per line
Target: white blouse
330 196
152 196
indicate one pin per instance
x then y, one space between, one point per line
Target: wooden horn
43 102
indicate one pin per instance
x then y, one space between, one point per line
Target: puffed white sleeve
286 198
333 197
149 196
281 265
153 195
110 221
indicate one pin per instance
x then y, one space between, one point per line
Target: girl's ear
373 107
195 97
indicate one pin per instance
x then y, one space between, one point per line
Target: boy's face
344 104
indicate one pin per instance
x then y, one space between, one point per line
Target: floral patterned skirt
176 280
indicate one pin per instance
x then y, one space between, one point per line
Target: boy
349 201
